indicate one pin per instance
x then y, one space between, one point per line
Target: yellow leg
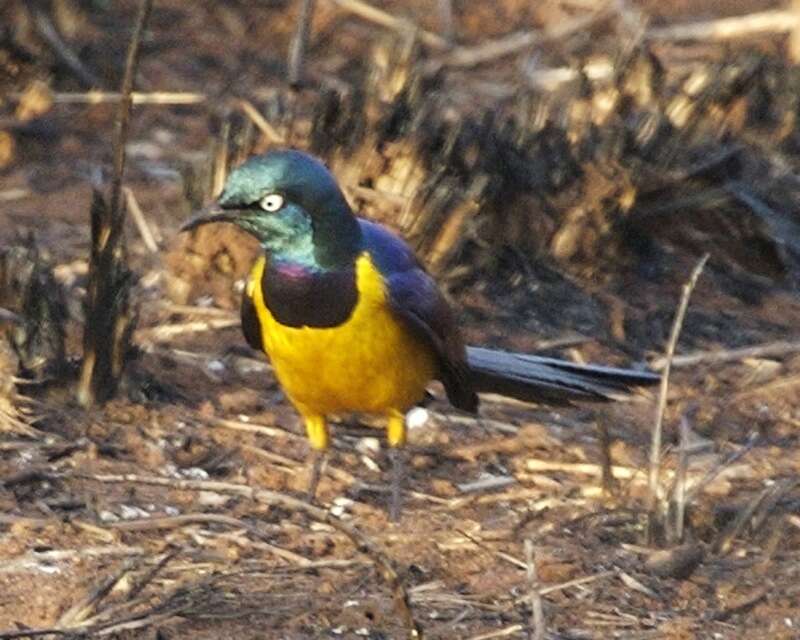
396 429
396 435
317 432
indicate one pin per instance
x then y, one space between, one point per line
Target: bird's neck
337 239
299 294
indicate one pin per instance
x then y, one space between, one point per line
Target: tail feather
539 379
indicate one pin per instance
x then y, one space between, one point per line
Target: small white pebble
343 501
132 512
194 473
204 301
788 622
172 471
172 511
243 418
211 499
216 366
368 446
338 630
338 510
107 516
417 418
363 631
238 286
163 136
350 603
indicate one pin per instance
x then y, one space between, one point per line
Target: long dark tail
538 379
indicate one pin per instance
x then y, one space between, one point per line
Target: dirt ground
136 519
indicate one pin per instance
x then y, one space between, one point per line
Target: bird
353 323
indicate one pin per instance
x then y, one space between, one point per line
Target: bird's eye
272 202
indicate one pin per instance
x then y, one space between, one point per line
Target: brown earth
80 544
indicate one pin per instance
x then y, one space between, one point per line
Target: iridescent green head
292 204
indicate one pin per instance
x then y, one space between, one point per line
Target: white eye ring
271 202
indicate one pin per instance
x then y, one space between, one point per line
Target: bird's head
292 205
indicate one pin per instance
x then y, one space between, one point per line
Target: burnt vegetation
560 168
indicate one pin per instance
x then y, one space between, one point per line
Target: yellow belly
370 364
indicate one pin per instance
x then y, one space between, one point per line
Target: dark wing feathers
417 302
415 299
250 325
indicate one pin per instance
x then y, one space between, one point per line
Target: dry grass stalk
272 498
261 122
655 444
402 26
466 57
297 47
512 630
768 350
109 317
141 222
537 624
137 97
764 22
679 498
48 32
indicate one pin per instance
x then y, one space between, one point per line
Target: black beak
212 213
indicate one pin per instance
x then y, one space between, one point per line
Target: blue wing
417 302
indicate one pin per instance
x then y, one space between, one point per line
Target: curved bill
212 213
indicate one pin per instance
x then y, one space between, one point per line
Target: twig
499 554
167 332
617 471
716 469
679 498
770 349
514 629
446 19
401 25
249 427
538 629
9 316
47 30
141 223
109 318
490 483
727 28
261 122
124 113
137 97
35 559
655 444
188 310
35 633
83 608
273 498
297 47
793 44
490 51
606 478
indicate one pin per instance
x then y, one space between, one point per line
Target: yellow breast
371 363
